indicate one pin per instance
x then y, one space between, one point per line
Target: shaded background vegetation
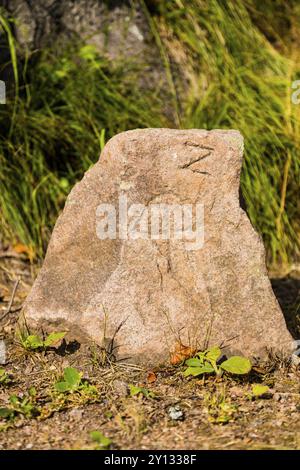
202 64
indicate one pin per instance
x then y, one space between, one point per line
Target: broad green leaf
72 376
237 365
213 354
62 387
102 440
204 369
194 362
258 390
33 342
53 338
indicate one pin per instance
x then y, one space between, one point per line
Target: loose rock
138 292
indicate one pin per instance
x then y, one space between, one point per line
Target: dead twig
11 299
111 346
11 254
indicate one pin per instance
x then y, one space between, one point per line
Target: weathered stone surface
119 30
160 291
114 27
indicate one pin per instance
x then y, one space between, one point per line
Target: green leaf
62 387
237 365
53 338
64 183
195 371
201 355
194 362
134 390
33 342
213 354
14 400
6 413
32 392
102 440
88 52
258 390
4 377
72 376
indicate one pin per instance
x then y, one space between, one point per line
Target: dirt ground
180 413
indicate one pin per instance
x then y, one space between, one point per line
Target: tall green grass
235 62
72 100
243 81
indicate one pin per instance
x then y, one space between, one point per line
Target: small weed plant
208 362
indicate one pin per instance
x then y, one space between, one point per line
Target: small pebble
2 352
120 387
76 414
176 413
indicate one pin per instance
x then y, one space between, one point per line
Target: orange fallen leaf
181 352
23 249
151 377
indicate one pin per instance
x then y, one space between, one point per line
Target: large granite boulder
153 249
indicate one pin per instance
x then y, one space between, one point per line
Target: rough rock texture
117 28
149 294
